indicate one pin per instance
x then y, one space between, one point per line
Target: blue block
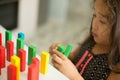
21 35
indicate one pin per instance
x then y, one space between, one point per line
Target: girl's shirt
90 66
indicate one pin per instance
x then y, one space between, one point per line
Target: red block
11 72
31 72
0 38
10 49
2 57
22 56
36 62
0 71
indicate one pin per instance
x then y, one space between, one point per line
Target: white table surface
53 74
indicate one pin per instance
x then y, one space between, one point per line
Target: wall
28 16
57 10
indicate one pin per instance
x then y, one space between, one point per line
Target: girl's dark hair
114 55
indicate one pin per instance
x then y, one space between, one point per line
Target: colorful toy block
68 50
10 49
0 38
44 62
20 44
21 35
31 72
2 57
0 71
31 53
61 48
11 72
22 56
36 62
16 62
8 36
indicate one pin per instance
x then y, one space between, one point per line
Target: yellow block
44 62
16 62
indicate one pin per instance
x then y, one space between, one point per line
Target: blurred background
47 21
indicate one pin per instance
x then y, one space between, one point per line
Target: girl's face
101 26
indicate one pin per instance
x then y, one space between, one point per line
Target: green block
31 53
20 44
61 49
68 50
8 36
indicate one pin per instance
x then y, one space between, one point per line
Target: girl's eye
103 22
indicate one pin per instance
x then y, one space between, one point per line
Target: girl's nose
94 25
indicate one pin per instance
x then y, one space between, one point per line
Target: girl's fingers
56 65
57 59
60 55
53 46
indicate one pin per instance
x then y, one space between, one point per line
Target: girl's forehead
100 4
101 7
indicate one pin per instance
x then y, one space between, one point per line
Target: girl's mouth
94 34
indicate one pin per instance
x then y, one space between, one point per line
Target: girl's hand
53 46
64 65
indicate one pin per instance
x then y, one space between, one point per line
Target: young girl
98 58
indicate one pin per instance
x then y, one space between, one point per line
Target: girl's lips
94 34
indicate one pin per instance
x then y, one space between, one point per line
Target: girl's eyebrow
104 16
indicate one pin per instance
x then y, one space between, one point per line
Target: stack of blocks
18 60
